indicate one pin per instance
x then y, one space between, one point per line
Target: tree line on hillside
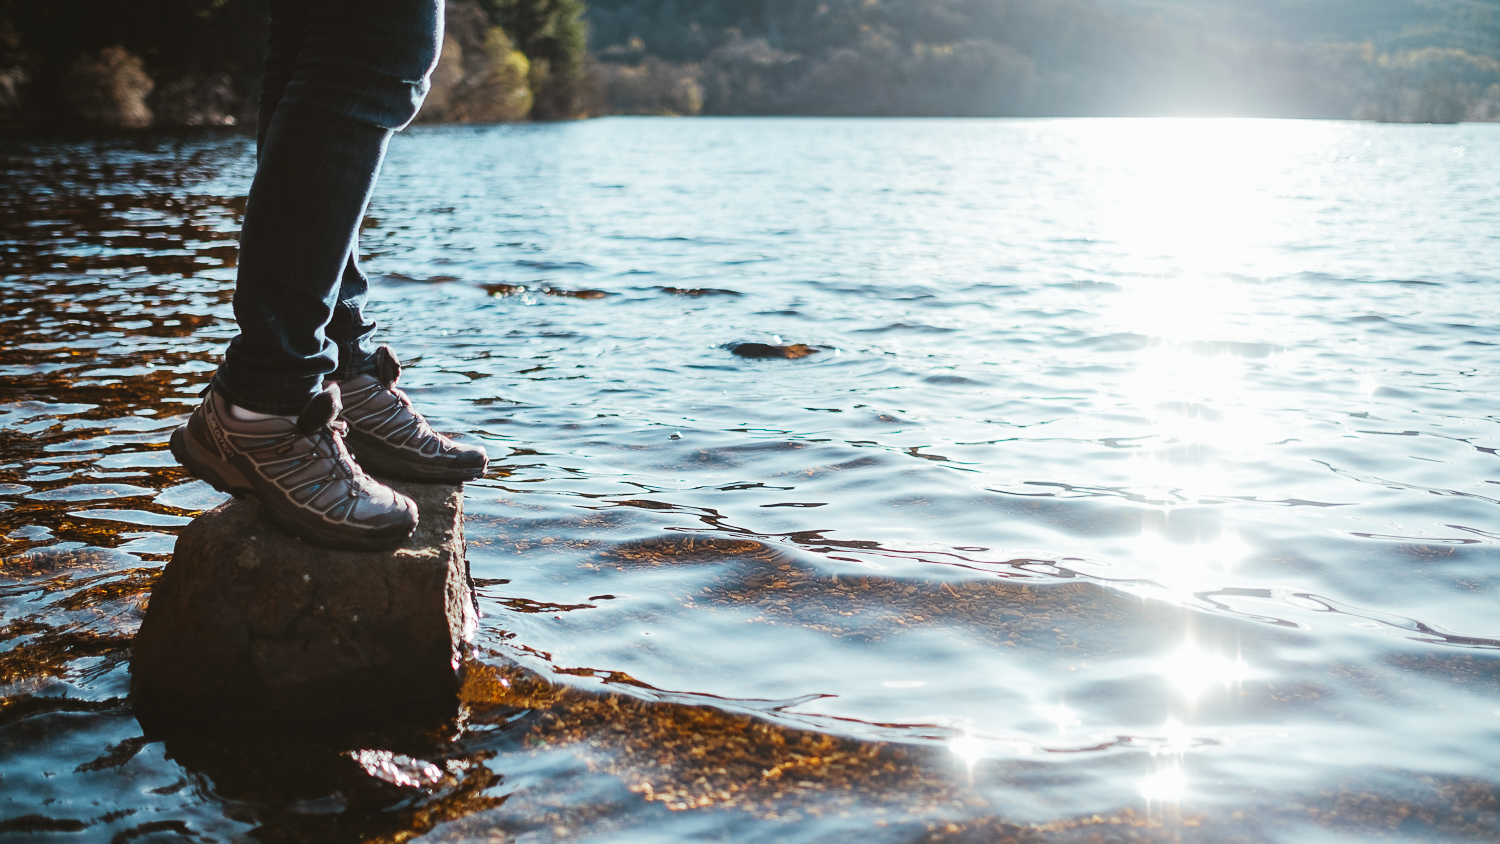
1027 57
1470 25
197 62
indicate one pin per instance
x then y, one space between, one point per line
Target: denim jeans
341 77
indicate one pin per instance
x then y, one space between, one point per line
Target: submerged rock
695 292
249 622
766 350
577 294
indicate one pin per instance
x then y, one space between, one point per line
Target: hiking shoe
392 440
298 471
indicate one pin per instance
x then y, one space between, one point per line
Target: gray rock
249 622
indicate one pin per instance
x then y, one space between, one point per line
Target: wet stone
766 350
250 623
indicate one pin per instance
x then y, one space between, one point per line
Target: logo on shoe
217 433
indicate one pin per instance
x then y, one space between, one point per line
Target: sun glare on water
1200 195
1192 671
1165 785
1195 213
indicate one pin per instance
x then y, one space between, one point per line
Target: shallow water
1140 487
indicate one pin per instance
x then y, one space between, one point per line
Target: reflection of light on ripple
1192 670
1165 786
1179 563
1175 739
1168 372
1195 398
1059 714
969 749
1177 310
1168 782
1159 478
397 769
1203 413
1207 195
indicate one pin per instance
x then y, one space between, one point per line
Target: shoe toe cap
384 509
470 456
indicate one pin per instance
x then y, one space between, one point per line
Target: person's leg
343 75
384 432
287 32
360 74
350 329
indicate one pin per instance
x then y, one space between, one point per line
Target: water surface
1140 487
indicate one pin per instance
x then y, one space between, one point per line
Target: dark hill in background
130 63
1410 24
1414 60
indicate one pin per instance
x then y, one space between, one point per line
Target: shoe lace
423 428
332 435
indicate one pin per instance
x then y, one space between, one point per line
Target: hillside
1412 60
1409 24
197 62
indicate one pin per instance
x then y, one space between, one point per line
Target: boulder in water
248 622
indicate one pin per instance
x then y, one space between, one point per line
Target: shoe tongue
321 411
387 368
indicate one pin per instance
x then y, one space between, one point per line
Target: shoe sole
383 468
231 482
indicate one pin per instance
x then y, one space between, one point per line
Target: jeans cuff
352 364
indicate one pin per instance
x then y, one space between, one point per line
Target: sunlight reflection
397 769
1177 309
1196 398
1206 195
1165 786
1059 714
1205 420
968 749
1187 560
1167 371
1175 739
1168 782
1192 671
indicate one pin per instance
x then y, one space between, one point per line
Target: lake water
1143 484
